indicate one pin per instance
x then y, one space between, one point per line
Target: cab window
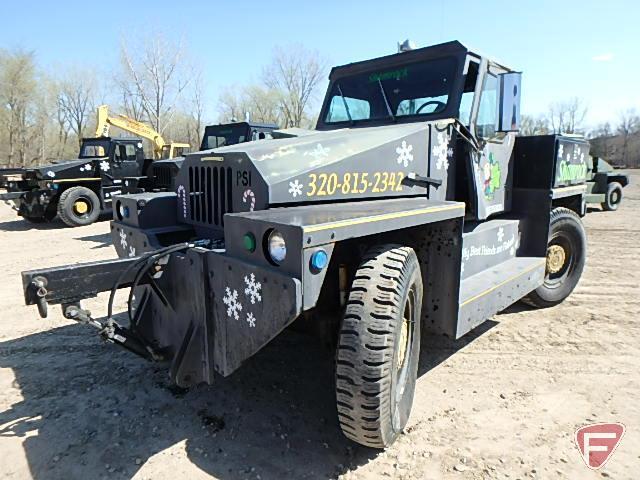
488 109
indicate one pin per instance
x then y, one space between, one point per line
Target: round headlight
123 211
277 246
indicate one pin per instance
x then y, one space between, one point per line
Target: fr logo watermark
598 441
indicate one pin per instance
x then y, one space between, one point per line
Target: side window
488 110
130 152
466 102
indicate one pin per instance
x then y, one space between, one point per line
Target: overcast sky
565 48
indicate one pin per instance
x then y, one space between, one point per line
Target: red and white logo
598 441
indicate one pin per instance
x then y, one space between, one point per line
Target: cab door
491 166
125 161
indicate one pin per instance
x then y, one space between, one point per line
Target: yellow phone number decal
375 182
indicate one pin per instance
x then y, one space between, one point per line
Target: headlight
123 211
277 246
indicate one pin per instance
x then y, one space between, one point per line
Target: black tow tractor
78 191
161 175
412 210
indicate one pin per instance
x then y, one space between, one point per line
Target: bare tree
76 98
156 75
567 116
530 125
196 113
629 123
295 73
17 87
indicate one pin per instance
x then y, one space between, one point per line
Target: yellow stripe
379 218
75 179
489 290
573 187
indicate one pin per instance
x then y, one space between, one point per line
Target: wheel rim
560 259
403 356
82 207
615 197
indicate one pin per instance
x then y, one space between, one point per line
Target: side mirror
509 108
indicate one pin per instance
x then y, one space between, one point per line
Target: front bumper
202 310
31 203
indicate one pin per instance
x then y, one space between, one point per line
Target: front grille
162 175
210 194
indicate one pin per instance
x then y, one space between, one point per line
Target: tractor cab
233 133
470 103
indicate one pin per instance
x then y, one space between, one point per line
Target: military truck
80 190
162 173
604 185
412 210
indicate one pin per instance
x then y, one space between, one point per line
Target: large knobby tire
78 206
613 198
379 346
566 255
35 219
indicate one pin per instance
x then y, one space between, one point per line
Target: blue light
319 259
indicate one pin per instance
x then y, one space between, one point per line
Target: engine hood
346 163
79 168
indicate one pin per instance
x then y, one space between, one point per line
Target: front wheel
566 254
379 346
613 198
78 206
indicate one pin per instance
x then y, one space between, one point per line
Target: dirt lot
502 402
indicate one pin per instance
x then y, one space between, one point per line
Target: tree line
44 115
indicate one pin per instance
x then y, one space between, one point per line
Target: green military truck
412 210
604 184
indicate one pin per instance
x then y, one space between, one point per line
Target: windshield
221 135
94 149
421 88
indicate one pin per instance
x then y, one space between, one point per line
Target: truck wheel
78 206
614 197
35 219
566 254
379 346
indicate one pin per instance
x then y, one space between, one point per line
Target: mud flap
172 317
251 305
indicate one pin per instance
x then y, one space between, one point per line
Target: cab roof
453 48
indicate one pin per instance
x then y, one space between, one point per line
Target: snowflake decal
560 150
442 152
104 166
132 252
405 157
51 174
123 239
85 168
251 320
295 188
253 288
500 234
318 152
234 307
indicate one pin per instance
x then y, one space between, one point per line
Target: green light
249 242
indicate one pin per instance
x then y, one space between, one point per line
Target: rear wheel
379 346
614 196
78 206
566 254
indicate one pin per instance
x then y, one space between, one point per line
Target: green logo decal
571 172
394 74
492 177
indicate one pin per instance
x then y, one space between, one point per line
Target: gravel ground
503 402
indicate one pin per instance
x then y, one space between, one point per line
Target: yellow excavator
161 149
